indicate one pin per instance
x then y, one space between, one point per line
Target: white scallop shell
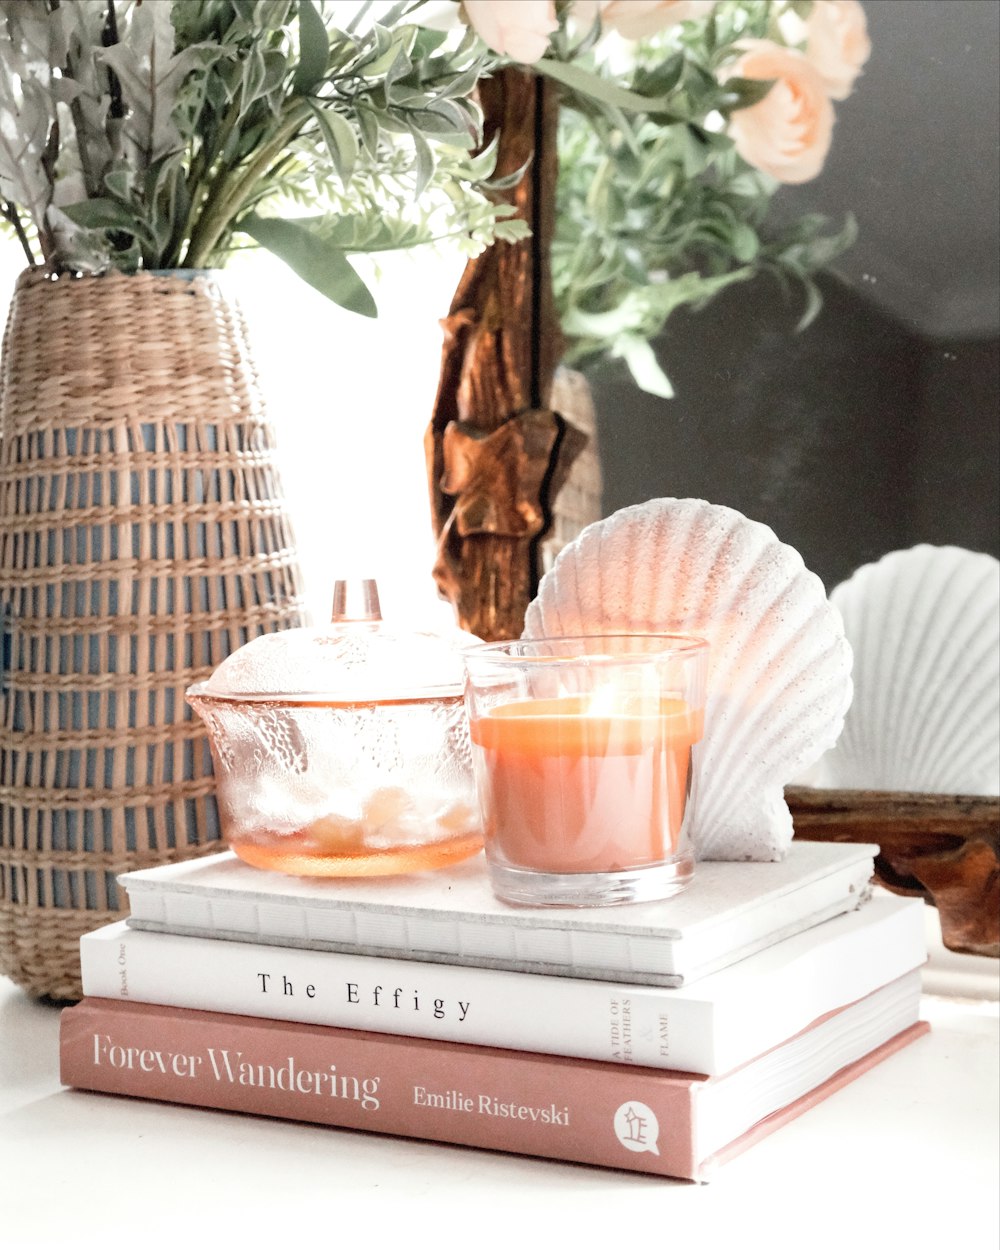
925 627
779 676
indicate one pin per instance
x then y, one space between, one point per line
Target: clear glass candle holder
582 750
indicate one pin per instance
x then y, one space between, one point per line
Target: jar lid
356 658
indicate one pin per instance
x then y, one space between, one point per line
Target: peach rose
788 133
635 19
837 44
519 29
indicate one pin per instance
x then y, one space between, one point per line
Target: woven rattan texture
142 538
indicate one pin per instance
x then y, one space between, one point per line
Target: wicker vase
142 538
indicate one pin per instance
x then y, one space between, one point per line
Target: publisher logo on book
637 1128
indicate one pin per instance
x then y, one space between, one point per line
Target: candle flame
605 701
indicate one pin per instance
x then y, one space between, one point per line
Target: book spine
481 1007
566 1109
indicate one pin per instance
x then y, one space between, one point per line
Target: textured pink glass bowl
367 773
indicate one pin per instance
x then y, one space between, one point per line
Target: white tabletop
907 1155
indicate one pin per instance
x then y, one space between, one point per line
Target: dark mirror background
877 427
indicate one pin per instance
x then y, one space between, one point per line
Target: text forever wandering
235 1067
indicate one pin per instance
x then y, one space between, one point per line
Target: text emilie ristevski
231 1066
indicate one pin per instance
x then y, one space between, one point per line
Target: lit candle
567 788
583 757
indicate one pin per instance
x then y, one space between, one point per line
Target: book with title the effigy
709 1027
451 916
612 1115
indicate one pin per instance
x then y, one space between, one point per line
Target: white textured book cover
730 911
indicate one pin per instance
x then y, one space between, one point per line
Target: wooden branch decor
496 453
944 848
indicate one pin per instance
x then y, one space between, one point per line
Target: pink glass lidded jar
344 751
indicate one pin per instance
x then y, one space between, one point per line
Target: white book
730 911
715 1026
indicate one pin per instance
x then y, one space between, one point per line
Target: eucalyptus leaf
463 84
661 79
398 11
314 49
427 42
383 63
368 126
321 265
101 214
254 74
744 241
275 69
383 39
814 303
694 151
593 86
710 34
425 162
119 183
484 162
436 120
643 365
396 73
218 91
339 138
742 93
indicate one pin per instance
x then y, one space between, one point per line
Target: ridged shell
925 627
780 669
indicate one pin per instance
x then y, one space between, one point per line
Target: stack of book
658 1037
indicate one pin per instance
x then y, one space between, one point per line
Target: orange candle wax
567 788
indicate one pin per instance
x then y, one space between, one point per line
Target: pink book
612 1115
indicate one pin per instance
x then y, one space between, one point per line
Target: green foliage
207 121
165 135
655 208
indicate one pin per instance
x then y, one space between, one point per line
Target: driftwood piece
496 453
944 848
